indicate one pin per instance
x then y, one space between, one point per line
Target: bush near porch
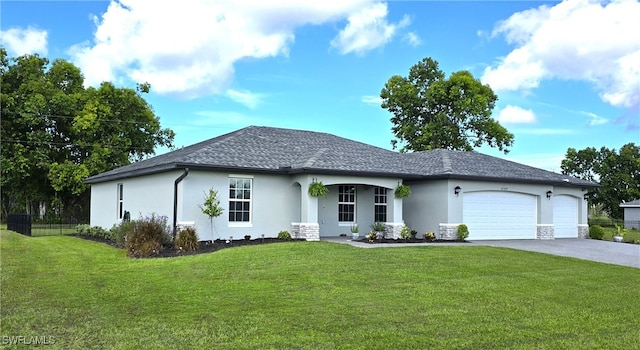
90 295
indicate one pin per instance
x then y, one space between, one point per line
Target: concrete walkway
587 249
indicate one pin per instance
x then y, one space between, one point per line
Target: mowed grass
314 295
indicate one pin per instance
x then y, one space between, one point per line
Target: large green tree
617 171
431 111
54 132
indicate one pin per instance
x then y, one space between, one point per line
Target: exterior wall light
456 190
549 193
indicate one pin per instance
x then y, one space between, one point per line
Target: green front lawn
314 295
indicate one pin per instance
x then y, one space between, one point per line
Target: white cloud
595 119
244 97
573 40
20 41
372 100
366 30
413 39
190 48
516 115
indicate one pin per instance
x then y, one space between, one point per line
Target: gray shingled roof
276 150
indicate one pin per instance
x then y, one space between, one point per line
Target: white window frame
242 200
354 204
378 194
120 201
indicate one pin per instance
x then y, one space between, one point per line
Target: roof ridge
314 157
446 162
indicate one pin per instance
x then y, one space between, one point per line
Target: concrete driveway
587 249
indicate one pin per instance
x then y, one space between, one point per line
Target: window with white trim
240 199
346 203
380 204
120 200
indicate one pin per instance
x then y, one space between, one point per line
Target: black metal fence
20 223
29 225
608 222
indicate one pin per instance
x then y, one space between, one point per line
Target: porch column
308 227
393 228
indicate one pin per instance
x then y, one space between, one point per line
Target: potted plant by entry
355 232
619 236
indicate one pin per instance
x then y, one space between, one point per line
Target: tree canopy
55 132
617 171
431 111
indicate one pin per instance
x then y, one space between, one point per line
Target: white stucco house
262 175
631 214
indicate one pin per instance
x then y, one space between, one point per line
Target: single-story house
631 214
262 175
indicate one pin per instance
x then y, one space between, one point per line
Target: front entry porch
350 201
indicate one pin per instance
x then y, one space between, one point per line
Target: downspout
175 200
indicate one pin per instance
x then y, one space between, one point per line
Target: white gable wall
142 196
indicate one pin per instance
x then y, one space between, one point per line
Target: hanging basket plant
402 191
318 189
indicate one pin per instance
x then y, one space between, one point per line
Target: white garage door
500 215
565 217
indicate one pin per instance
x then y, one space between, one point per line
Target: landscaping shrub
632 236
596 232
148 237
99 232
83 229
429 236
405 232
120 232
186 240
284 235
463 232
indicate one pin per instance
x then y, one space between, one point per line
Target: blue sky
567 74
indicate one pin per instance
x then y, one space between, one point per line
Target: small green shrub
247 237
83 229
378 226
632 236
414 233
463 232
148 237
596 232
120 232
429 236
284 235
371 236
99 232
186 240
405 232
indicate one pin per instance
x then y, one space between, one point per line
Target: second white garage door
565 217
500 215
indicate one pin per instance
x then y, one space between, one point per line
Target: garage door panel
565 216
500 215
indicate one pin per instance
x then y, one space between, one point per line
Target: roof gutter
175 199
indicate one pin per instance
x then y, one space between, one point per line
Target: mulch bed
203 247
403 241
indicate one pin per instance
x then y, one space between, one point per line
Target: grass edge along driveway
314 295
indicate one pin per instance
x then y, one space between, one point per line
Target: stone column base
305 230
448 232
583 231
392 229
545 232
